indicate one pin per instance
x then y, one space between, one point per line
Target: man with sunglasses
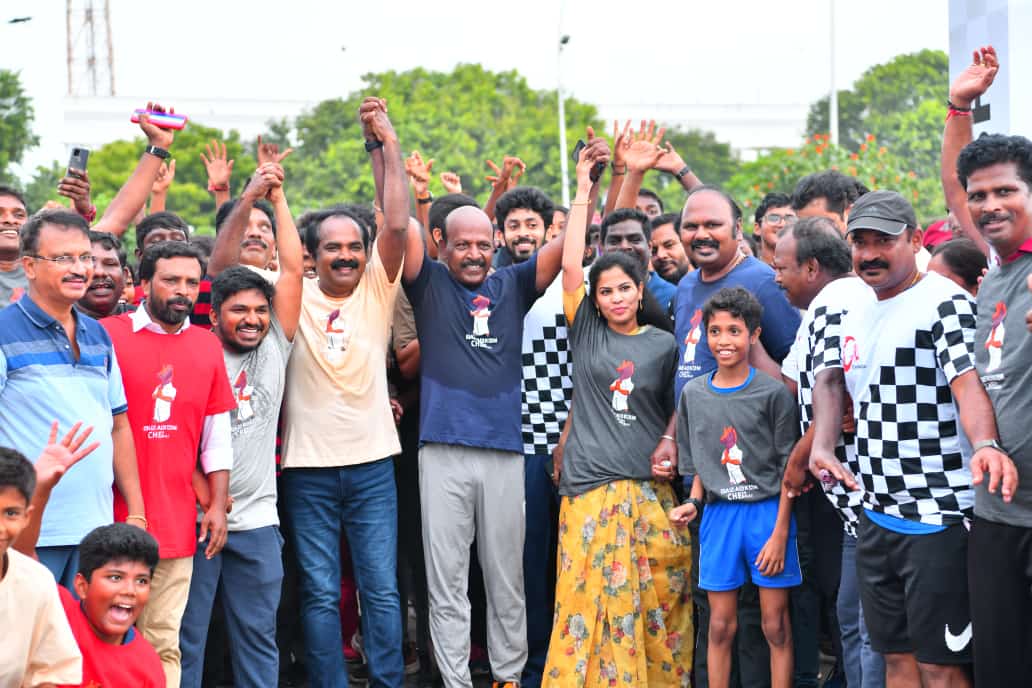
58 366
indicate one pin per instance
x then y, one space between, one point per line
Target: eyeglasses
67 261
775 218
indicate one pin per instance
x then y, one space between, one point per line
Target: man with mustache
471 461
257 248
338 427
255 322
59 365
996 174
668 252
179 404
103 296
925 430
711 225
628 230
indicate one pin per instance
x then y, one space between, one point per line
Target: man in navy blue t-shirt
471 479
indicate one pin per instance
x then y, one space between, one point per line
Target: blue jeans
864 667
249 573
539 555
63 562
361 503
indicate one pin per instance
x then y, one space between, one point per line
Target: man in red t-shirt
116 563
179 402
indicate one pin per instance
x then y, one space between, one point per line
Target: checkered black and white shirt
818 348
899 356
547 383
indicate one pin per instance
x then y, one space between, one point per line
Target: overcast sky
620 53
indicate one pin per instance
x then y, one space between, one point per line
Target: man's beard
162 310
235 346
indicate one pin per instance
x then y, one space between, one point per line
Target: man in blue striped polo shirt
59 365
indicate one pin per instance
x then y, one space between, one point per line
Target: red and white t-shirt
133 663
172 382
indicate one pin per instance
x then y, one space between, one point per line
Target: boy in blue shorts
735 429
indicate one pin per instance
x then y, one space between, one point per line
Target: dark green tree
16 117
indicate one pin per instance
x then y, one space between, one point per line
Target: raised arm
502 180
419 176
972 83
641 153
287 301
391 241
226 251
672 163
220 169
131 198
596 152
159 190
619 166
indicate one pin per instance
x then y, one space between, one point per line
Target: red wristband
213 188
90 215
953 112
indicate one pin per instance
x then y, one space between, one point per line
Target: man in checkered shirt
812 263
908 364
546 390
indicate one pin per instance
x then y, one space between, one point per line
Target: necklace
918 276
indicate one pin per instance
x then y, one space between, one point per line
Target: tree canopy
16 117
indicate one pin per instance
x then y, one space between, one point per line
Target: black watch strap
372 145
683 171
159 152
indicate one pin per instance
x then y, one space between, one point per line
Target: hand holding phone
597 170
163 120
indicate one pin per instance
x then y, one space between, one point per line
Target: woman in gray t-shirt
623 599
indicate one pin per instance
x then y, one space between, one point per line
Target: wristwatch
159 152
372 145
696 503
683 171
995 444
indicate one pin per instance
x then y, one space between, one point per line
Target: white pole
833 93
563 165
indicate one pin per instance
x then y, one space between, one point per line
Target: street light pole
563 165
833 94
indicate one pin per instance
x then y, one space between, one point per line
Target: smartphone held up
77 161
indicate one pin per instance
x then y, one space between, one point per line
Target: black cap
883 211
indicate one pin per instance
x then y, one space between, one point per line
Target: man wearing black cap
907 361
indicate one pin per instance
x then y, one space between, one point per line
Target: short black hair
29 233
739 303
162 220
732 204
236 279
665 219
963 257
6 190
817 237
526 197
622 215
775 199
116 542
560 209
441 208
649 193
315 219
18 472
226 208
592 229
990 149
109 241
204 243
163 251
838 190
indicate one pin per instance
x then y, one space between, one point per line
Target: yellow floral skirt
623 611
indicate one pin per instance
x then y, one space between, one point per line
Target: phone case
161 119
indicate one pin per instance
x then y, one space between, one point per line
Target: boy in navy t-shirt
736 428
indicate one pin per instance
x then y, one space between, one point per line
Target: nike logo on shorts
956 643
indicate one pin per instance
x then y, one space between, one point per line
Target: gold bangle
137 517
572 203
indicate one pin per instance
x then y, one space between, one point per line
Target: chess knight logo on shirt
731 458
693 336
336 338
623 385
243 393
995 341
163 395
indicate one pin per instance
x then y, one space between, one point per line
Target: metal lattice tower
91 69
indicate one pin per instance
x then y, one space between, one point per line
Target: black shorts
914 591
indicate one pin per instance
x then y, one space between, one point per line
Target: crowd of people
599 445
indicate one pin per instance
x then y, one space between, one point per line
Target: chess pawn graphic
994 344
481 312
243 396
163 395
622 386
694 335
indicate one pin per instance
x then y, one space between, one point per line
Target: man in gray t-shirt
256 323
12 216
